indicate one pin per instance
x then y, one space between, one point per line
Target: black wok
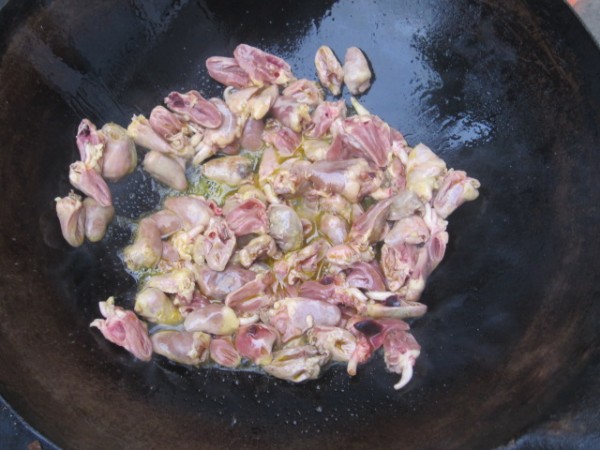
508 91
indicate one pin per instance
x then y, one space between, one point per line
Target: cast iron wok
508 91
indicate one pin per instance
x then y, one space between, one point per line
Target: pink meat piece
262 67
436 248
396 174
371 225
398 263
316 290
90 182
88 136
334 228
401 351
72 217
146 250
410 230
296 315
290 178
231 149
164 122
357 75
352 178
97 218
329 70
187 306
253 295
337 150
165 169
227 71
253 102
362 353
400 147
217 285
395 307
250 216
375 329
252 134
282 291
179 281
223 351
192 106
219 243
268 164
336 342
259 248
424 171
228 131
323 116
301 265
368 276
291 113
455 189
212 205
400 348
406 204
125 329
304 91
333 292
193 211
343 255
260 103
167 222
285 140
169 254
239 100
184 347
363 349
397 137
214 318
144 135
367 137
297 363
315 149
256 342
370 335
410 264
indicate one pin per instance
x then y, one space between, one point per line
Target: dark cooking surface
573 422
508 91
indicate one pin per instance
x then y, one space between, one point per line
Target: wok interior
495 90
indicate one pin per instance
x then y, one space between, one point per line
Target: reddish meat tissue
310 246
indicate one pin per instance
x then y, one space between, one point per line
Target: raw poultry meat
303 231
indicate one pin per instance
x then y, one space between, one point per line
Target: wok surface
509 92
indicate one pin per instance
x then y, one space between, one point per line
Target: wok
508 91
